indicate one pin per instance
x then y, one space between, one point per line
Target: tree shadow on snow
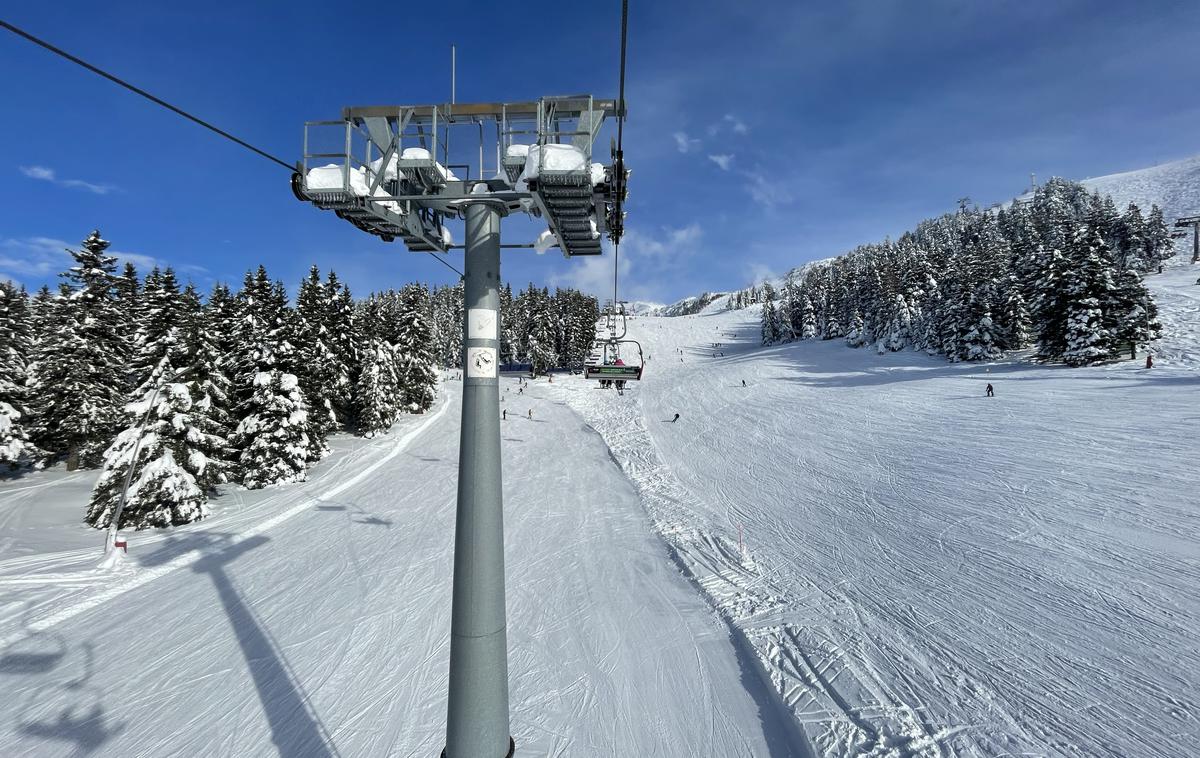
295 727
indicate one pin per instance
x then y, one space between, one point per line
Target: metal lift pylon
393 177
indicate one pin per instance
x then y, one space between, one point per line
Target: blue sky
761 135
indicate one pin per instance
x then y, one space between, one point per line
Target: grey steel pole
477 714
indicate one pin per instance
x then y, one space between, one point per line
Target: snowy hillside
1174 186
923 571
928 571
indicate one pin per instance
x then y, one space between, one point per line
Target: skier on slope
1149 360
743 382
990 392
675 419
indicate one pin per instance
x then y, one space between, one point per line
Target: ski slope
313 620
927 571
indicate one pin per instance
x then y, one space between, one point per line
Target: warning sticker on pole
481 324
481 363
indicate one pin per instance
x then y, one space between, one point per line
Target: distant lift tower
388 171
1194 222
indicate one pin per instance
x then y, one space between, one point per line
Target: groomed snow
925 571
314 619
929 571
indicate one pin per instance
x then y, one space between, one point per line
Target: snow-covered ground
929 571
313 619
926 571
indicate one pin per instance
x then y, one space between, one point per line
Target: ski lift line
143 93
619 179
58 51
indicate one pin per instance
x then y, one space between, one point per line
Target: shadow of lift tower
392 176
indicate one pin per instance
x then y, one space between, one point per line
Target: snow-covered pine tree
1133 252
1014 315
319 365
158 332
854 335
78 382
508 352
16 347
1159 244
539 339
1130 314
273 433
377 391
272 437
808 319
168 452
414 348
1089 286
980 342
209 388
770 319
344 338
1087 339
1050 305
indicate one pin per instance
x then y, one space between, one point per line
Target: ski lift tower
1194 223
388 170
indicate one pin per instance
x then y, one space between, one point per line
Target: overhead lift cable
619 164
159 101
142 92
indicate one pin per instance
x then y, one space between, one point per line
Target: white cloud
767 192
684 143
45 174
38 172
724 161
736 124
36 258
648 263
757 273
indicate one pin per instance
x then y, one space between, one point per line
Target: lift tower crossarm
567 107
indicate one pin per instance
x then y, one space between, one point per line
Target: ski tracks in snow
100 587
809 673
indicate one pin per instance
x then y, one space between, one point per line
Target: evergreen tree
808 319
319 365
78 383
1086 338
378 388
414 348
273 433
1159 245
344 338
165 445
16 346
981 342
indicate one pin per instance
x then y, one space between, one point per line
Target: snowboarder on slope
1149 360
504 415
743 382
990 392
675 419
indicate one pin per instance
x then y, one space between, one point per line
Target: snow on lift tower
391 171
1194 223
